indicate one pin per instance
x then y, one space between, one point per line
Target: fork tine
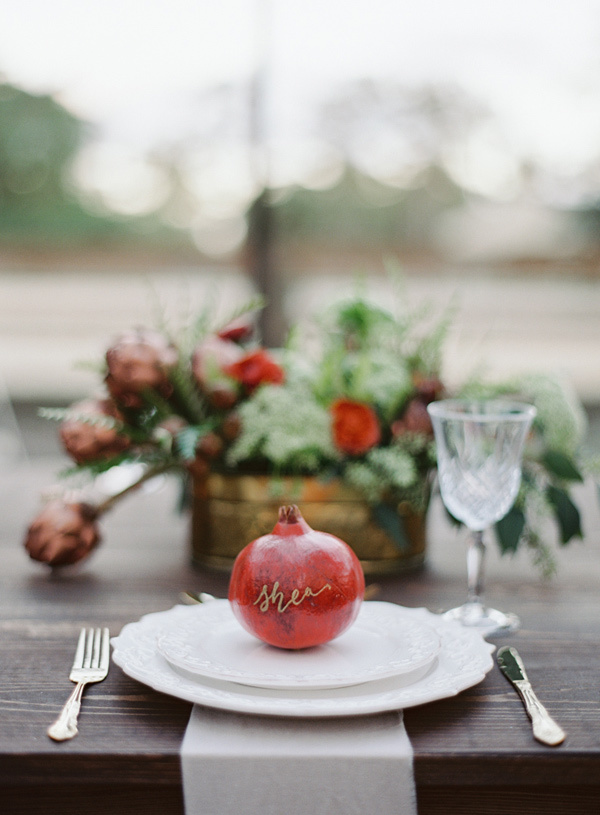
105 650
96 651
80 651
89 643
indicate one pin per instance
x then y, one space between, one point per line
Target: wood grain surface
473 752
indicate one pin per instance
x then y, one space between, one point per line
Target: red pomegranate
296 587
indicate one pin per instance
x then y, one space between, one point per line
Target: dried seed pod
63 533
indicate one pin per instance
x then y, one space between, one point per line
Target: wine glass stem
475 557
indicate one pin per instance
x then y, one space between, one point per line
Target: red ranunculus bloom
254 369
355 427
239 330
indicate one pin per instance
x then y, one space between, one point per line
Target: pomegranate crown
289 514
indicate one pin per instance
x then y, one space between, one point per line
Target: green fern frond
187 395
187 439
93 366
53 414
96 419
256 303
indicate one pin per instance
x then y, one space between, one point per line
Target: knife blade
545 729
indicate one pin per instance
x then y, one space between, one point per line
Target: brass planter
229 511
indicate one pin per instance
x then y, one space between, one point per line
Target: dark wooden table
473 753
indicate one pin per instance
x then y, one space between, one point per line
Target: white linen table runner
261 765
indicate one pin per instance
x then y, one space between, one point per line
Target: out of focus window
286 142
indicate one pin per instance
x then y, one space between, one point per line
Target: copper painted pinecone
62 533
89 440
139 360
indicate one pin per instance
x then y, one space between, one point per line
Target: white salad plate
463 660
382 642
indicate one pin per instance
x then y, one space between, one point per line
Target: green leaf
561 465
509 530
54 414
187 439
566 512
190 402
391 522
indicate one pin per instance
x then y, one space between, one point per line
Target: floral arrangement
346 397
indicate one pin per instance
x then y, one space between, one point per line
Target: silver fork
90 665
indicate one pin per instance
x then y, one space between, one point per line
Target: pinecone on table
63 533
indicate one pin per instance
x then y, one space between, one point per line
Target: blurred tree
38 139
360 212
39 207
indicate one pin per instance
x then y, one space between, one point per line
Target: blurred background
155 156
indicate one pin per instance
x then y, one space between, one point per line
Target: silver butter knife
545 728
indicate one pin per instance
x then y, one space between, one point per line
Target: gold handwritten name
276 597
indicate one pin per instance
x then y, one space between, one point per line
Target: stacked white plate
391 658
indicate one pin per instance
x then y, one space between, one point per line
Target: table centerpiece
336 421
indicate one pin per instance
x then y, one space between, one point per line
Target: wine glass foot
487 620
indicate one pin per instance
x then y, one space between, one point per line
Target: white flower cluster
383 467
284 425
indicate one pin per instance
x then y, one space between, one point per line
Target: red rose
355 427
254 369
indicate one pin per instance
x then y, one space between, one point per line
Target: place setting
296 660
295 637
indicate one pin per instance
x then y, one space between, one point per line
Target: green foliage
383 469
189 401
552 463
567 514
510 529
561 465
370 355
187 439
388 518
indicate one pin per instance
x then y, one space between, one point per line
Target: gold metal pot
229 511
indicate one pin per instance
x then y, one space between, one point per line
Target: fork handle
65 727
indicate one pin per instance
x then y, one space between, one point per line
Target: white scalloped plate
463 661
382 642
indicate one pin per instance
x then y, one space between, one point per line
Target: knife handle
545 728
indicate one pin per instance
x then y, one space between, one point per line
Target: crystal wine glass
479 452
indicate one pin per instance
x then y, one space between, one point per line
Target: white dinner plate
463 661
382 642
